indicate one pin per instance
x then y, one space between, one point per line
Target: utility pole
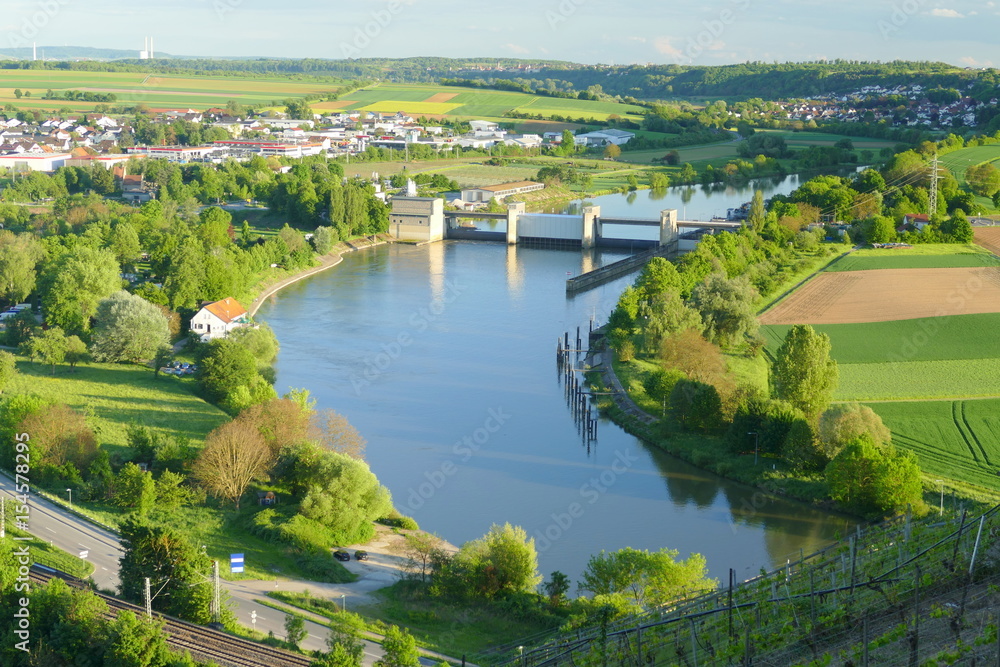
3 517
933 200
216 606
149 600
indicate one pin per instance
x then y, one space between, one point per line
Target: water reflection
487 349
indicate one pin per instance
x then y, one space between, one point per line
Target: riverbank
331 259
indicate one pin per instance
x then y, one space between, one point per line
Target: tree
323 239
844 423
872 479
502 561
727 308
259 340
225 367
648 578
76 352
803 372
128 328
21 328
19 258
59 435
400 649
50 346
125 244
235 455
74 283
568 144
134 488
136 642
332 431
880 230
556 588
422 551
612 151
177 571
280 421
688 352
295 629
343 494
757 215
961 229
983 179
215 227
8 369
346 649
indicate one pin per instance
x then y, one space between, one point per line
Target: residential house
216 319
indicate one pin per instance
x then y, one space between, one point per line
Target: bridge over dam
423 219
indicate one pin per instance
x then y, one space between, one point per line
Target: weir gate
423 219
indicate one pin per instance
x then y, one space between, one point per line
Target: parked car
340 554
360 555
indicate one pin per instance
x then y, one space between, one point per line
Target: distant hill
75 53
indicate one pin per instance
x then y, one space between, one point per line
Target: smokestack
150 48
34 50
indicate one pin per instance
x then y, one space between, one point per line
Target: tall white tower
34 50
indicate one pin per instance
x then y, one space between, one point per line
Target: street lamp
756 446
70 492
941 508
343 602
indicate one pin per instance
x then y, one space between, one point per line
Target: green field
954 439
114 395
958 161
156 91
922 339
926 256
416 99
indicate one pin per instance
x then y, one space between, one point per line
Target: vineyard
897 593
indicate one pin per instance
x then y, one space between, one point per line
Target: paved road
74 534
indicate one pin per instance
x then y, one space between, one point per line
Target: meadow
115 395
925 256
958 161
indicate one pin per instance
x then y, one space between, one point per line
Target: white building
217 319
605 137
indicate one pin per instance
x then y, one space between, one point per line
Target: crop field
958 161
988 238
927 256
889 294
419 100
955 439
156 91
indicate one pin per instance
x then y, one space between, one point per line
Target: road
75 535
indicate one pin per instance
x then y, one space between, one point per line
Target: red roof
226 310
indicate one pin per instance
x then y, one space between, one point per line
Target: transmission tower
933 199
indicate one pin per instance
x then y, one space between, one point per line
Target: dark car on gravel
340 554
361 555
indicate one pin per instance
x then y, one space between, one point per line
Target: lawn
114 395
955 439
926 256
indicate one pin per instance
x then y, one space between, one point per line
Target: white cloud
663 45
969 61
947 14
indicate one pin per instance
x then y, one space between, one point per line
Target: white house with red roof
218 318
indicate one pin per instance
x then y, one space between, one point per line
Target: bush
400 521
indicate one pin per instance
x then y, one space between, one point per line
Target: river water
443 357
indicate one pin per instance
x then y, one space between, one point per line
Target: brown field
989 238
441 97
884 295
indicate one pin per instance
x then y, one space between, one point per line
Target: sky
712 32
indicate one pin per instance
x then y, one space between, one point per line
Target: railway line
203 644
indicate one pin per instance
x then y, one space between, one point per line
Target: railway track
203 644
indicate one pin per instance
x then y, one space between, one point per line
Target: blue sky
611 31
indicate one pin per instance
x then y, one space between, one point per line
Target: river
443 357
